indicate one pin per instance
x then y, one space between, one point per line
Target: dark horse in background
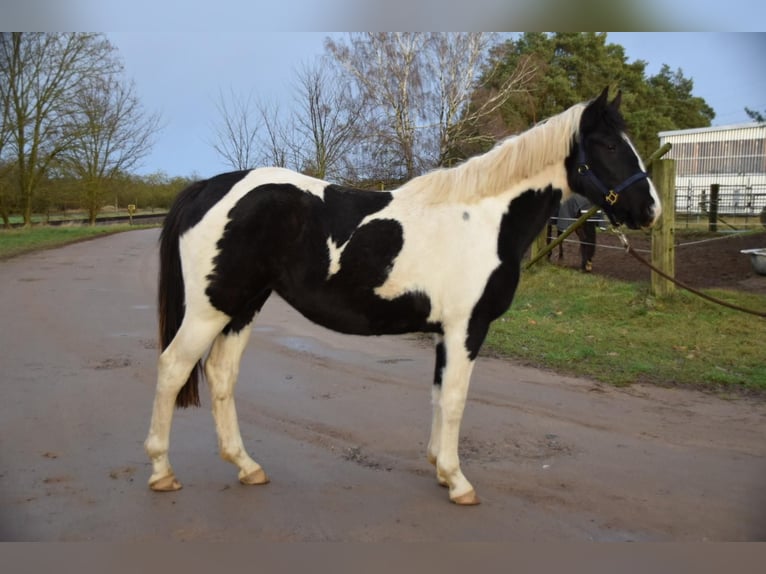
441 255
568 212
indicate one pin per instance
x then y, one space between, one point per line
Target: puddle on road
304 345
316 348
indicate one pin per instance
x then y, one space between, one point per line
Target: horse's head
605 167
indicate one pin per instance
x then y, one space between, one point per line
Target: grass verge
15 242
617 333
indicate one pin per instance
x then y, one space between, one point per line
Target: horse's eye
611 147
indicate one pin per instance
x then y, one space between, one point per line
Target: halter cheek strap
610 195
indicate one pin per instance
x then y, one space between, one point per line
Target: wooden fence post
539 244
663 233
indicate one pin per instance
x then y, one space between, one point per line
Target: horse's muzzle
654 214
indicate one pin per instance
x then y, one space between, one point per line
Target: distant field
15 242
76 216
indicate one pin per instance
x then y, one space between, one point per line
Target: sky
181 76
182 54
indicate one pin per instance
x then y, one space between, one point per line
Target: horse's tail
171 296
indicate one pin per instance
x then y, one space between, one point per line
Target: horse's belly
362 312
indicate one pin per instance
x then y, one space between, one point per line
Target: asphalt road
340 424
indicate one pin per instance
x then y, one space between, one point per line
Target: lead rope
634 253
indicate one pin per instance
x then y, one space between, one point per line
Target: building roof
711 129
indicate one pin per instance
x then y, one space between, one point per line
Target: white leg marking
222 370
173 368
456 378
436 424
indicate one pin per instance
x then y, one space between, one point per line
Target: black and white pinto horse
441 254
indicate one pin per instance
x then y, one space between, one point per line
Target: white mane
511 161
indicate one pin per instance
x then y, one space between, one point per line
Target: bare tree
236 136
315 137
113 134
276 143
402 101
326 118
454 62
386 68
5 163
419 89
252 132
41 75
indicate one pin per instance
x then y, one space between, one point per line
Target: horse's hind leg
587 234
222 369
173 368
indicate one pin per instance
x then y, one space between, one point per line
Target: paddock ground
340 424
703 260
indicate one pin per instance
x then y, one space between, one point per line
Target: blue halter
610 195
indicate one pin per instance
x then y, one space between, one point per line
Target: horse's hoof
255 477
467 499
165 484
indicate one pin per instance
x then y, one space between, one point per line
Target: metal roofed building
733 156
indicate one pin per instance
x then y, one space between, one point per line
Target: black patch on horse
197 199
347 207
526 216
346 301
262 226
441 362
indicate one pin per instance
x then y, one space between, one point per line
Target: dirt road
340 424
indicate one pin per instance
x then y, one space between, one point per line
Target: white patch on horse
443 236
304 182
657 209
335 251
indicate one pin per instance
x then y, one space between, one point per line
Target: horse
441 254
568 212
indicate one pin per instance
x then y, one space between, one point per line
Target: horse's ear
594 111
615 105
603 98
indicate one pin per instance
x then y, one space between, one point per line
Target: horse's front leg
449 403
436 417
